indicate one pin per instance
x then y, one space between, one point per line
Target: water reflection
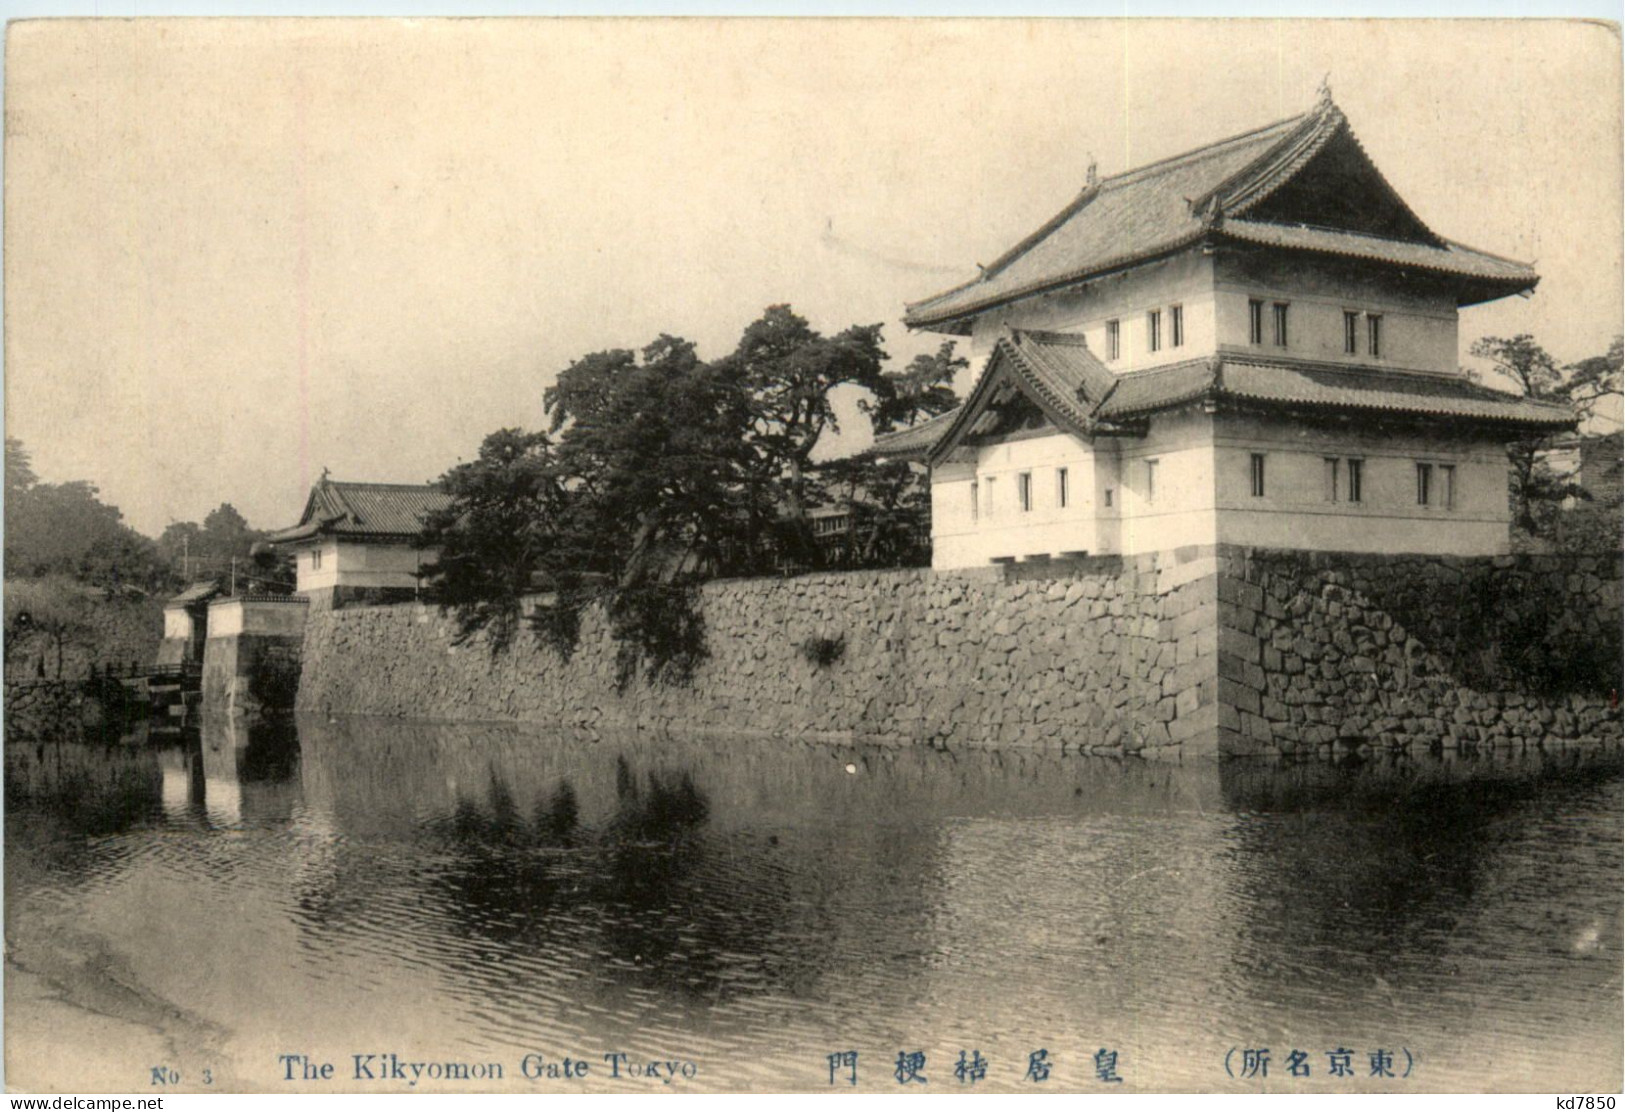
86 787
496 890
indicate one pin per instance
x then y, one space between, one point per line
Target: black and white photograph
842 556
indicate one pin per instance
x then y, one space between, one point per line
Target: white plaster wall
1295 511
310 578
1185 280
1001 529
231 616
362 565
225 618
177 623
1182 511
381 565
1418 331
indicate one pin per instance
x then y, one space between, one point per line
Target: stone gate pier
251 659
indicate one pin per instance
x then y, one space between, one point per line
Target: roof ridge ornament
1091 177
1152 212
1323 95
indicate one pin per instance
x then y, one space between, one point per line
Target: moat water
742 910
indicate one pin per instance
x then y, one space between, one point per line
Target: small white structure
360 540
1253 343
257 615
186 624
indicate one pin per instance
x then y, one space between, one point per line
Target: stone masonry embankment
1182 654
1320 652
1085 657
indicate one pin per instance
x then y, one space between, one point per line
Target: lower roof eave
293 535
1509 426
311 534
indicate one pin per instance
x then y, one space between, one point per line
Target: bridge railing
133 670
111 670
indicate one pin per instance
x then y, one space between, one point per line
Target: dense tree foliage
923 390
64 529
660 469
1592 380
654 448
1538 491
500 535
888 509
225 545
787 372
54 609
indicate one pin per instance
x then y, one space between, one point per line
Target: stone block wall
1091 656
119 631
37 710
250 673
1323 652
1191 653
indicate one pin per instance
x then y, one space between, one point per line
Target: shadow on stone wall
1330 652
1541 624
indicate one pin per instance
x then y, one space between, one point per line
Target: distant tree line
70 561
66 530
659 469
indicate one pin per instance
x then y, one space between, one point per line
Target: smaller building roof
914 442
364 511
197 592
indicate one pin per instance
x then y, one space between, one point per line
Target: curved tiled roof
915 442
197 592
1057 371
1142 391
1393 392
365 510
1061 373
1081 396
1167 206
1451 258
1123 218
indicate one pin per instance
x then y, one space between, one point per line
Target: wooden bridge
172 691
169 690
166 695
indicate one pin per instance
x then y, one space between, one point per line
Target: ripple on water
497 894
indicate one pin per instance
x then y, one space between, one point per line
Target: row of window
1277 318
1351 327
1351 333
1255 322
1344 482
980 503
1154 335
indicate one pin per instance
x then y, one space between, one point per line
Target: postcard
640 555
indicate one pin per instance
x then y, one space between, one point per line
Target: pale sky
238 251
